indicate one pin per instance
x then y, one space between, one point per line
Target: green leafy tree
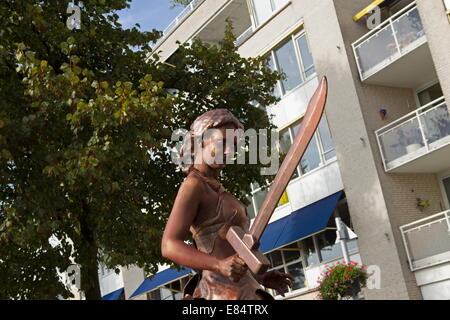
86 119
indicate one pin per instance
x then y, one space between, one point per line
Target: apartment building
380 159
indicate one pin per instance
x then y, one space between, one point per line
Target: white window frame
445 197
317 136
292 37
255 190
285 266
254 15
423 88
172 291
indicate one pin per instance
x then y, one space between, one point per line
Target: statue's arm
183 213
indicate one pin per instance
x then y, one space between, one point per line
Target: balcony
418 142
427 241
237 11
396 52
178 19
204 20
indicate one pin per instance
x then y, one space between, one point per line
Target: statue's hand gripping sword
246 244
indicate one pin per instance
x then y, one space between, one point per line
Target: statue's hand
278 281
232 267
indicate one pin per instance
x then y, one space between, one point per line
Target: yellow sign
284 198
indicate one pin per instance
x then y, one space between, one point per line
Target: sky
149 14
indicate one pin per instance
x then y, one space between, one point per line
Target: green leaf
104 84
94 84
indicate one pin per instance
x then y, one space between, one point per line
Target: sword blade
309 125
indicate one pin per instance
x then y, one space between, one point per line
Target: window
430 94
325 139
277 89
288 259
257 197
329 250
309 251
322 247
170 291
287 62
319 151
307 59
446 183
263 9
292 58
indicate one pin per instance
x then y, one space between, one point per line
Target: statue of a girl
207 210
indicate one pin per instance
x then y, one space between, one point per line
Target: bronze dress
210 233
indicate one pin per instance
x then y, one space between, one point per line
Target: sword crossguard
250 241
255 260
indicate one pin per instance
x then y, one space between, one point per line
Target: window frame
304 78
285 266
318 138
445 196
254 14
423 88
173 292
255 190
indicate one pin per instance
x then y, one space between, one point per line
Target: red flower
347 276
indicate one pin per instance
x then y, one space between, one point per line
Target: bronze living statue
225 250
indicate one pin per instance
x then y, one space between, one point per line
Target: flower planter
352 291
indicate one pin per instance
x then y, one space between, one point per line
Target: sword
246 244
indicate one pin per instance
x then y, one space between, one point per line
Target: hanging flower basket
342 281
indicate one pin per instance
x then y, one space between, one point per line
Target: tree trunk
90 283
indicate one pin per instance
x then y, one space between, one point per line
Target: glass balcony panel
378 50
430 242
402 140
408 29
436 125
396 37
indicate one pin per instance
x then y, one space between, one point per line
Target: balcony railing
427 241
178 19
243 36
415 134
389 41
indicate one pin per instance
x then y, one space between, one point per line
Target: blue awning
299 224
160 279
113 295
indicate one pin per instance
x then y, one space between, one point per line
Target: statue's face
216 148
